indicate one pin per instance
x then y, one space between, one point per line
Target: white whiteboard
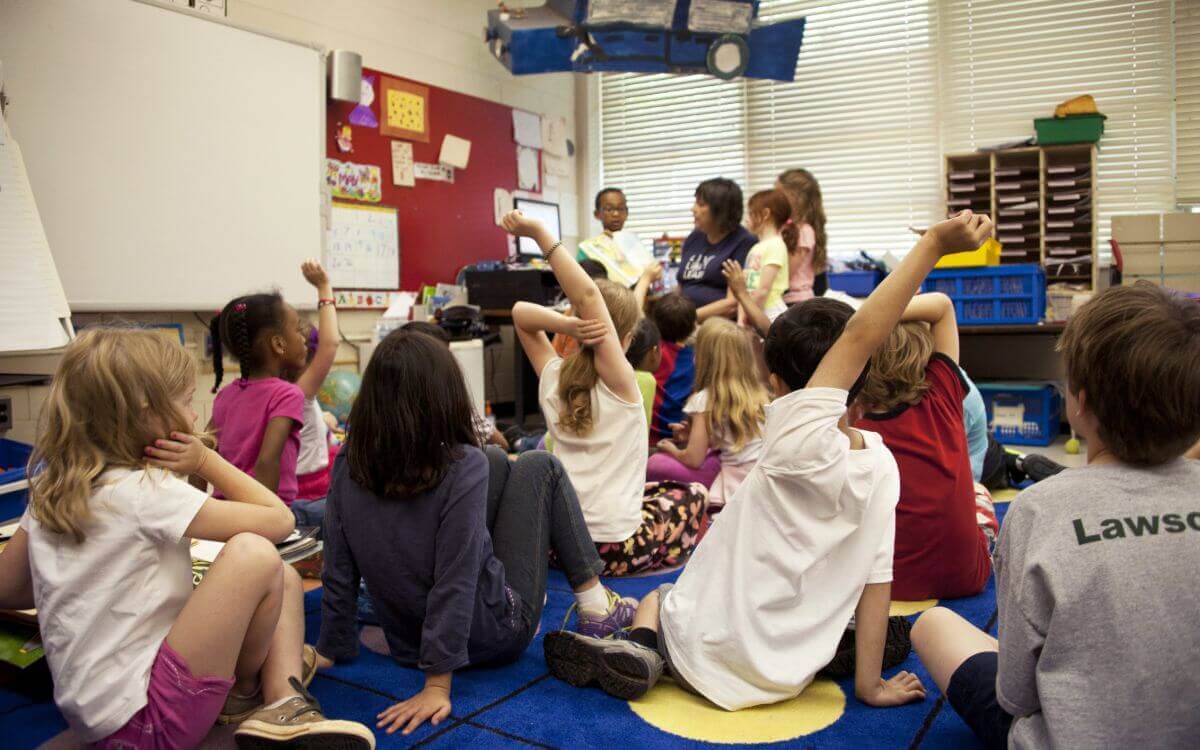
176 159
33 308
363 248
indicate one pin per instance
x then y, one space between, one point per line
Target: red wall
443 226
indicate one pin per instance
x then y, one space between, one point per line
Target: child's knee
292 582
926 626
252 554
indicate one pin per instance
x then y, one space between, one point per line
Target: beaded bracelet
553 247
322 302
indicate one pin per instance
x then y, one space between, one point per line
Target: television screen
547 213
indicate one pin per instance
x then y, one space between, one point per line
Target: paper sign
1012 415
402 164
555 165
554 135
527 129
359 182
502 203
436 172
527 168
456 152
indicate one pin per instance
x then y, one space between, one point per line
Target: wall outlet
6 414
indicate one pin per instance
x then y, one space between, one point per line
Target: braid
240 325
239 336
214 332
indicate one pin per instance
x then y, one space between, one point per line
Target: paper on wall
502 203
556 165
527 168
456 152
554 135
402 164
436 172
527 129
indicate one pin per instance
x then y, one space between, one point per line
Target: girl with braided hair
257 418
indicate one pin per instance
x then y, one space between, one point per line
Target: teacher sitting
719 236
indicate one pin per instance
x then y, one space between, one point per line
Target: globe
338 392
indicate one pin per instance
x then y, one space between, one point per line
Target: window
1187 101
884 88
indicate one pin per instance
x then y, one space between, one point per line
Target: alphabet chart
363 247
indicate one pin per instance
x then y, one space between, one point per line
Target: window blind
1006 62
1187 101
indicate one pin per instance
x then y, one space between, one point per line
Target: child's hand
960 233
653 272
589 333
314 273
182 454
680 431
668 447
515 222
431 704
905 687
732 271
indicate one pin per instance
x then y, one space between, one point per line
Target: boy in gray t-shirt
1099 644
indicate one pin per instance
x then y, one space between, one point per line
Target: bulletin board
444 226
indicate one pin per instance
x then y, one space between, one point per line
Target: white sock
594 601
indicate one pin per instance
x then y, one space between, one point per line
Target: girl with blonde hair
727 410
594 414
139 658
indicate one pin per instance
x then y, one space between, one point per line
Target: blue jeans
309 512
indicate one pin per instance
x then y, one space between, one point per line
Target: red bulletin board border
443 226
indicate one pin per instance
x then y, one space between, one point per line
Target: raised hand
734 277
314 273
515 222
962 232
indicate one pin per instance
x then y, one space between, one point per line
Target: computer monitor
547 213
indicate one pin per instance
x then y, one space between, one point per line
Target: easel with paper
33 312
363 247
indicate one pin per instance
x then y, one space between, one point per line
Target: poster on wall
402 164
527 169
404 110
358 182
363 115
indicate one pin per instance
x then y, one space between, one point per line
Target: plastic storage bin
996 295
1022 413
1072 129
13 458
987 254
855 283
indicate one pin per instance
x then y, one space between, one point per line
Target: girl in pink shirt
257 418
806 260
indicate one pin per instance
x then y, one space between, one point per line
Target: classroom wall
439 42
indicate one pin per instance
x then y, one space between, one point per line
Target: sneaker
896 647
1038 467
299 723
623 669
238 707
618 617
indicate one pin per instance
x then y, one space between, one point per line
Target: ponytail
790 233
214 332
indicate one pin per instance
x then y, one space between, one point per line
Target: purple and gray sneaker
618 617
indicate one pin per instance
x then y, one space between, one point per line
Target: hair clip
240 307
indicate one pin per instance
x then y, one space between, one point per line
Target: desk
523 374
1017 352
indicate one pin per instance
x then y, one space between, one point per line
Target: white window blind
861 116
661 135
1187 100
1006 62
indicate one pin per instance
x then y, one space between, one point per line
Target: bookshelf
1042 200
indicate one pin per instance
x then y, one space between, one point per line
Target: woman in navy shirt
719 236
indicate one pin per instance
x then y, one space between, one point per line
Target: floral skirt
673 520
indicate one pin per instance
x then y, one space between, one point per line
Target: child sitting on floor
645 356
595 416
139 658
454 553
1095 567
807 541
914 399
257 418
675 316
726 413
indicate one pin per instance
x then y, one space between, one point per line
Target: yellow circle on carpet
673 710
904 609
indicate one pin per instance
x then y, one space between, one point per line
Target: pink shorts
180 707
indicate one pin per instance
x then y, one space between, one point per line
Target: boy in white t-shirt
808 543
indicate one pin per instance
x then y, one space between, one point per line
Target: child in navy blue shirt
452 542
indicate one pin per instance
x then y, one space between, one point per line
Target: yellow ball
1072 446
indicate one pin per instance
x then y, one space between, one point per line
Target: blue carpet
520 704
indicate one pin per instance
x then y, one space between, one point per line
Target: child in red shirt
914 398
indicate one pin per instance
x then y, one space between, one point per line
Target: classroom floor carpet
521 705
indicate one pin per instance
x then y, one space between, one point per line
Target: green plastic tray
1073 129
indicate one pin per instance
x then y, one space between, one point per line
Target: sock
279 702
593 601
644 637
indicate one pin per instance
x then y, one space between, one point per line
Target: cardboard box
1137 228
1142 258
1181 257
1180 227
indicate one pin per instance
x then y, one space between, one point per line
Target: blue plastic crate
13 458
995 295
855 283
1028 412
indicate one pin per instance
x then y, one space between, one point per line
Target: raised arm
534 322
937 310
611 365
736 279
327 330
651 274
874 321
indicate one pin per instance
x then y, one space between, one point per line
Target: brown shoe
299 723
238 707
